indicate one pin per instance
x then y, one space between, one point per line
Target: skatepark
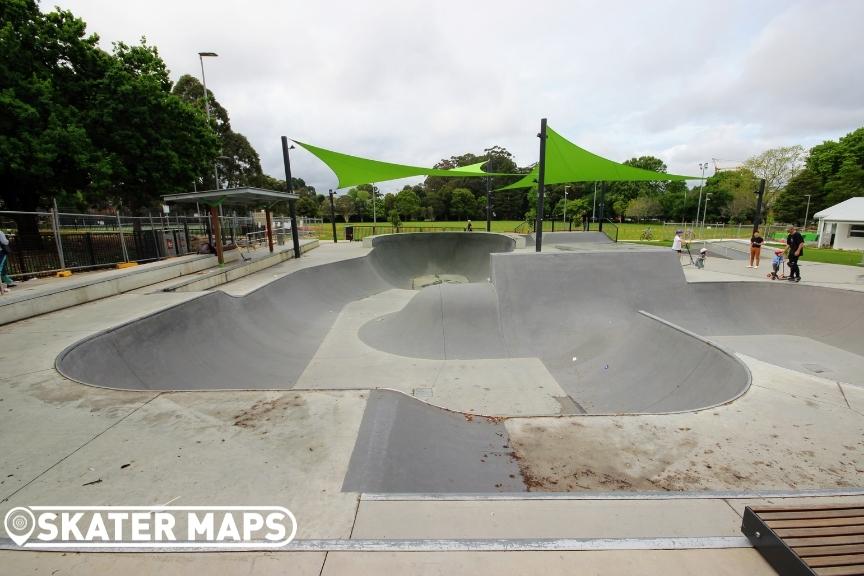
444 393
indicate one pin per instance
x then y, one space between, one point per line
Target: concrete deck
791 430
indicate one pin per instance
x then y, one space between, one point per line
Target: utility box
180 242
166 244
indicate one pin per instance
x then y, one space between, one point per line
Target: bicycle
647 234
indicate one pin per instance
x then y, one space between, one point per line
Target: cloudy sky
414 81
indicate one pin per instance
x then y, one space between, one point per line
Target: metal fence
357 233
42 243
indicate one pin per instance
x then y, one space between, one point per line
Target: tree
733 196
777 167
85 125
239 163
645 207
462 205
791 204
394 219
408 203
345 207
576 209
46 63
151 142
840 168
620 194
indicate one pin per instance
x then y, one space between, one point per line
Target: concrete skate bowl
581 314
264 340
566 239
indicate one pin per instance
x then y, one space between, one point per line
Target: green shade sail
567 162
353 170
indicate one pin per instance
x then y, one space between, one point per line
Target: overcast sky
413 81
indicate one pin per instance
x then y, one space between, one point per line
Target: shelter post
541 186
333 216
269 228
757 218
217 233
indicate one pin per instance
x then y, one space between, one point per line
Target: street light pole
705 211
702 167
201 56
565 204
807 212
594 207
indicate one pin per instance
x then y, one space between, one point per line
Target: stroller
778 266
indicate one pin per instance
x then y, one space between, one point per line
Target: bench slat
811 551
815 522
845 513
822 561
825 541
856 570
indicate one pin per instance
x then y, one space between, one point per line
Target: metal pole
333 216
207 107
488 196
807 213
292 208
374 206
541 187
565 204
702 167
705 212
757 218
122 240
153 232
55 224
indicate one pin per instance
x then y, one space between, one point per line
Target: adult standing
470 227
756 241
795 248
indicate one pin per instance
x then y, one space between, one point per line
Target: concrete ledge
224 275
35 302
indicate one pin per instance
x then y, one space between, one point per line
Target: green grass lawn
629 231
831 256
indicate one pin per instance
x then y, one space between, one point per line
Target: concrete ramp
265 339
619 330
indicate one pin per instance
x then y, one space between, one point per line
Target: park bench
826 540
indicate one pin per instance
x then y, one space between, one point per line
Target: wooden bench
826 540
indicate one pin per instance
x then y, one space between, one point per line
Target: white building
842 225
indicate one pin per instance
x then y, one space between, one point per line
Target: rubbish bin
349 233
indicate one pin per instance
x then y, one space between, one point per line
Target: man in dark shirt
795 247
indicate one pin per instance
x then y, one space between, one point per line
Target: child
700 260
776 262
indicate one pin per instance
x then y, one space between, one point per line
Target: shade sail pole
292 204
541 188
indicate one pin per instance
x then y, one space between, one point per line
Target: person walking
756 242
794 248
4 260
